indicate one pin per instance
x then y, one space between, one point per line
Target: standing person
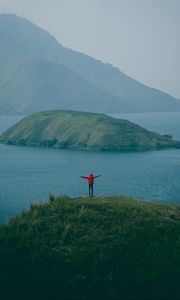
90 179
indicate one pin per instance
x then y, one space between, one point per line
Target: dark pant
91 190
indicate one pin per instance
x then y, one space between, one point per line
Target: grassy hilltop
101 248
84 131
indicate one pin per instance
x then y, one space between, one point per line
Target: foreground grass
101 248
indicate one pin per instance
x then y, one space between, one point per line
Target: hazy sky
141 37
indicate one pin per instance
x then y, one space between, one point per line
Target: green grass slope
84 248
84 131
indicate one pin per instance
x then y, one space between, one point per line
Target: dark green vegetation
37 73
101 248
84 131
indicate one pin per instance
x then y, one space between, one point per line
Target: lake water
29 174
164 123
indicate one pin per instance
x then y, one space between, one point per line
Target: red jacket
90 178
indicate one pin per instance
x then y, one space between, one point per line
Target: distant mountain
43 85
38 73
84 131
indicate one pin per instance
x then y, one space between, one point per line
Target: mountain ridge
21 40
48 84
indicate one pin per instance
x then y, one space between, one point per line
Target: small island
84 131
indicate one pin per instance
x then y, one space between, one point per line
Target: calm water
29 174
164 123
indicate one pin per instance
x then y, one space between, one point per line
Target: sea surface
28 175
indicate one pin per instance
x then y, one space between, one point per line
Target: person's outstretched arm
84 177
97 176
